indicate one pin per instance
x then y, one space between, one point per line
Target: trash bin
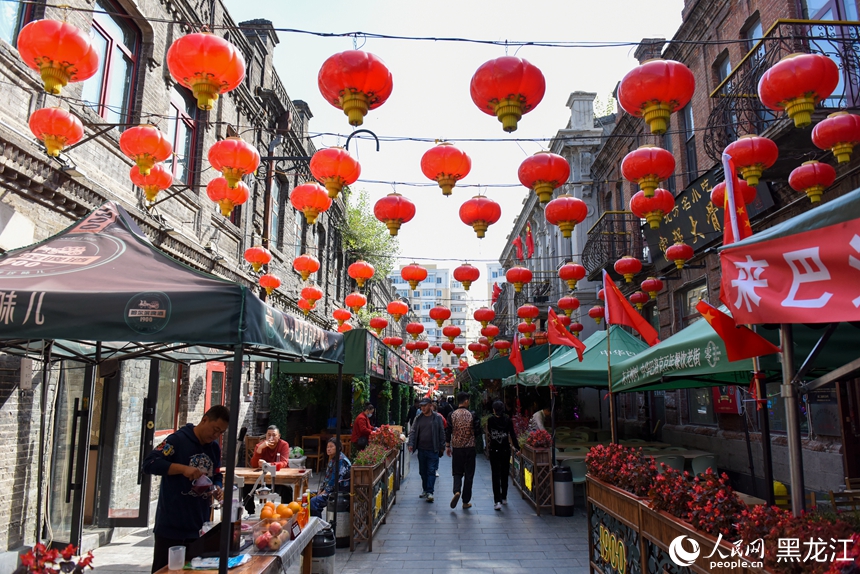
322 561
563 491
343 522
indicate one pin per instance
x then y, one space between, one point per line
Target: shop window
180 132
701 406
690 144
687 301
108 92
168 395
776 409
438 293
13 16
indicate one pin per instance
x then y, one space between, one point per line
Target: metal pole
551 401
789 393
764 421
337 434
46 360
229 478
613 424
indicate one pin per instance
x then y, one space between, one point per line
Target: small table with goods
297 478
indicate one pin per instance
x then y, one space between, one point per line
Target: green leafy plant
367 238
371 456
360 394
384 401
395 404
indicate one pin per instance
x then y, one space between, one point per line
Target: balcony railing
614 235
738 111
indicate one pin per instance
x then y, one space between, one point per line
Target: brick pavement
433 539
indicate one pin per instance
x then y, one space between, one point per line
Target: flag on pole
558 335
619 311
518 243
736 225
515 356
497 291
741 342
530 242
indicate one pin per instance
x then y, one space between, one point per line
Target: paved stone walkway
420 537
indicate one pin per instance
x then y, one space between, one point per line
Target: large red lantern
752 155
355 301
528 313
797 83
440 314
306 306
597 312
476 348
656 89
146 145
452 332
413 274
527 341
311 199
568 305
312 294
718 193
628 266
356 82
466 274
480 212
503 347
572 272
527 329
601 295
393 342
60 52
159 179
490 332
518 276
639 298
341 316
839 133
257 256
206 64
435 350
507 88
394 210
484 315
564 320
414 329
651 286
422 346
225 196
566 211
812 178
56 128
484 340
378 324
334 168
234 158
344 328
576 328
448 346
446 165
680 253
269 283
652 209
397 309
544 172
648 165
361 271
306 264
411 346
458 351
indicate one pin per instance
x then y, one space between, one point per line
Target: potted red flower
41 560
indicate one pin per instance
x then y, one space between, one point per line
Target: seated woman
334 450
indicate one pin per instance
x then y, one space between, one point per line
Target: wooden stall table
297 478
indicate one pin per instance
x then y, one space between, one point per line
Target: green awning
501 367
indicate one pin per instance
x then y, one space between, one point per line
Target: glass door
214 384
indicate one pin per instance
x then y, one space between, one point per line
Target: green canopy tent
500 367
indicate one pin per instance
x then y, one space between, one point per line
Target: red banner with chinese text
726 399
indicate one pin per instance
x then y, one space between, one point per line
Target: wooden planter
372 493
536 485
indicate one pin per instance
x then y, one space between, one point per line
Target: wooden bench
847 501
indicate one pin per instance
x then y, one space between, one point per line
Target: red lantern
452 332
158 180
490 332
484 315
440 314
518 276
527 329
311 199
206 64
465 274
839 133
422 346
435 350
448 346
344 328
544 172
639 298
596 313
341 316
355 301
601 295
566 211
394 210
526 342
413 274
393 342
812 178
56 128
564 320
797 83
414 329
306 264
651 286
507 88
397 309
572 272
312 294
540 337
654 90
378 324
60 52
226 197
146 145
576 328
476 348
652 209
718 194
258 256
680 253
528 313
568 305
480 212
361 271
355 82
752 155
484 341
334 168
411 346
269 283
446 165
503 347
306 306
234 158
458 351
628 266
648 165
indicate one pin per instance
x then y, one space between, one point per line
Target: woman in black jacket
500 437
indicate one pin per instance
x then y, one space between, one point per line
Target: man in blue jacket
428 438
181 458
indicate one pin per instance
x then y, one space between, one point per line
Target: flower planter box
536 484
372 494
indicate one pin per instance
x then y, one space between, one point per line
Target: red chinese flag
736 224
530 242
619 311
558 335
741 342
518 243
497 291
515 356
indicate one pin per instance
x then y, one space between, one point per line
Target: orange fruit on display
267 512
287 513
295 507
283 509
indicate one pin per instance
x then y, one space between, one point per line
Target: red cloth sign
726 400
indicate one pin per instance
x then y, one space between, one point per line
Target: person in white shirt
541 420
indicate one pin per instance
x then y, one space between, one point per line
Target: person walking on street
361 428
428 438
463 426
445 408
500 437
